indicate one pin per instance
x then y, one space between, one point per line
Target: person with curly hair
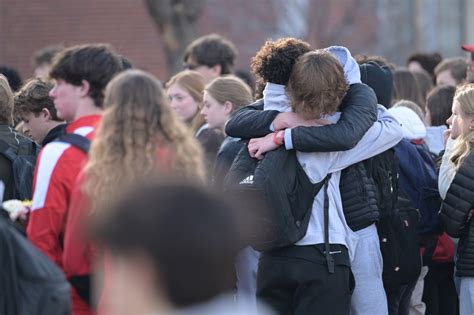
316 83
139 137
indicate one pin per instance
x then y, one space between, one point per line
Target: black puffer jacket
359 197
457 205
359 112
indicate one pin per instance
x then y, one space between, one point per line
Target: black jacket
356 119
359 112
454 212
22 146
54 133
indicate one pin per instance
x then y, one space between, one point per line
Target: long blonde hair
137 122
465 142
194 83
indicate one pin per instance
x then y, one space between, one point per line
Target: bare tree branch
176 21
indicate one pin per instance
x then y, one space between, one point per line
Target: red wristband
277 141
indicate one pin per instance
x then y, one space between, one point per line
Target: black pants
439 292
295 280
398 299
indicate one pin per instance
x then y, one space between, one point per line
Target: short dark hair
192 241
33 97
13 77
428 61
211 50
456 66
46 54
97 64
378 60
317 84
439 103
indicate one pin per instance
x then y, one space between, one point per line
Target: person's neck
53 124
87 108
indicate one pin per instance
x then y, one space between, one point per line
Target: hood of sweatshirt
275 97
380 79
412 126
351 68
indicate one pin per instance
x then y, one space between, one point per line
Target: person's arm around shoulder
251 121
359 112
384 134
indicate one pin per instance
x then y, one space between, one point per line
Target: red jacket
55 176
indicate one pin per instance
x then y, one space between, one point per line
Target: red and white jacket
56 171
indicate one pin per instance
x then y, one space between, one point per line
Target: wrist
279 137
279 122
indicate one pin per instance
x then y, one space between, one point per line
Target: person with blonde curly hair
456 182
139 137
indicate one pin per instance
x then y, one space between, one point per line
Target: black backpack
276 194
23 163
398 224
76 140
399 244
30 283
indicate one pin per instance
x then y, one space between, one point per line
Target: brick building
26 26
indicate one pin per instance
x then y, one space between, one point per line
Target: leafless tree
176 21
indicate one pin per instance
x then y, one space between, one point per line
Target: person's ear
228 107
217 69
84 88
46 114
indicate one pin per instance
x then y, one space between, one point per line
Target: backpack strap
327 249
76 140
7 151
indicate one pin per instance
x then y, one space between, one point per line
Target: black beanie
380 79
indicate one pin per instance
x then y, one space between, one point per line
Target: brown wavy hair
33 97
136 124
194 83
6 102
317 84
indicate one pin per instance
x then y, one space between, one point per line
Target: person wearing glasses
211 55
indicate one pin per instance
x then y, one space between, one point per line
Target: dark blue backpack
419 179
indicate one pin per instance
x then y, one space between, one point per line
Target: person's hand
259 146
20 214
17 210
292 120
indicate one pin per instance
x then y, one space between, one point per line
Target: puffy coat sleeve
359 112
459 199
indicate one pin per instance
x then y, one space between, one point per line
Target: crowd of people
130 197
